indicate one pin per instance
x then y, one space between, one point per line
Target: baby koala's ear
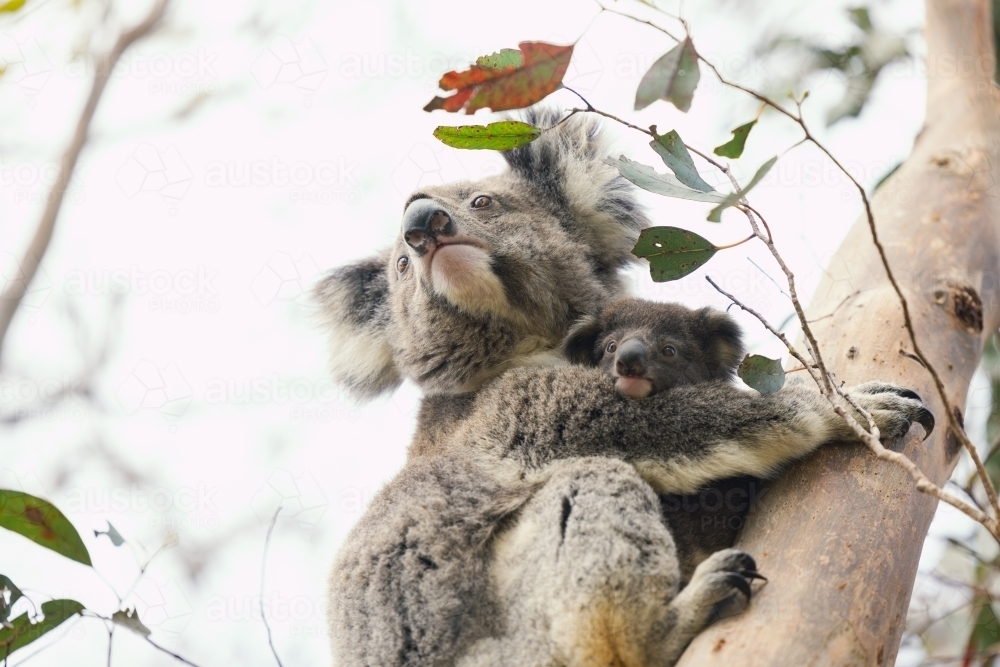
722 341
578 346
354 305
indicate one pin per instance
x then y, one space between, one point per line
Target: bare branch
11 297
263 570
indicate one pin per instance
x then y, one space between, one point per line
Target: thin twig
768 276
870 439
11 297
263 570
767 325
826 386
168 652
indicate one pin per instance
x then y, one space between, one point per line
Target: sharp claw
926 419
909 393
737 581
753 574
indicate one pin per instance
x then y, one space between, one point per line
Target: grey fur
525 527
561 226
470 553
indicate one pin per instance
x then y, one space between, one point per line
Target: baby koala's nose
631 359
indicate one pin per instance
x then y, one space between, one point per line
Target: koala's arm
680 439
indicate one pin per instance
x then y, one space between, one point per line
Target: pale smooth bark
839 535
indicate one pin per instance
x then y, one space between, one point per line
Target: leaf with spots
734 147
763 374
662 184
9 594
21 631
672 78
715 215
501 136
675 155
672 252
502 59
502 81
41 522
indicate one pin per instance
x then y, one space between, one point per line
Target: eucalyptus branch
870 439
796 117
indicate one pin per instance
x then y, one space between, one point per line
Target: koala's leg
586 574
720 587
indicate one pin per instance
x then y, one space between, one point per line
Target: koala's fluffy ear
568 164
578 346
354 305
723 342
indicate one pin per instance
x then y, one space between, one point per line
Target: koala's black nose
631 359
423 220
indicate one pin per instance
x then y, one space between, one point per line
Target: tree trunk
839 535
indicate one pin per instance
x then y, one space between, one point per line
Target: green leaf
715 215
672 253
501 136
129 618
22 631
859 17
673 77
113 535
13 592
763 374
986 631
662 184
501 59
734 147
11 6
41 522
675 155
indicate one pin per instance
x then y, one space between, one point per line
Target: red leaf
481 86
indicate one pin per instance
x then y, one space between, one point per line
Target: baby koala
649 346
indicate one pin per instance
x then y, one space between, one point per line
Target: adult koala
523 528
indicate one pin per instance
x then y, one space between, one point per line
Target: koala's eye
669 351
612 346
482 201
402 264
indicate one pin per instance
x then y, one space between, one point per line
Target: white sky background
209 272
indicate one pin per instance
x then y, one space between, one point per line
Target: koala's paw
721 583
893 408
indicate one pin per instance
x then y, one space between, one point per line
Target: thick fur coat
525 527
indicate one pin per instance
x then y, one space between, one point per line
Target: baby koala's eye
669 351
482 201
402 263
612 346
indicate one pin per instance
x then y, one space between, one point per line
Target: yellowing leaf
11 6
501 136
